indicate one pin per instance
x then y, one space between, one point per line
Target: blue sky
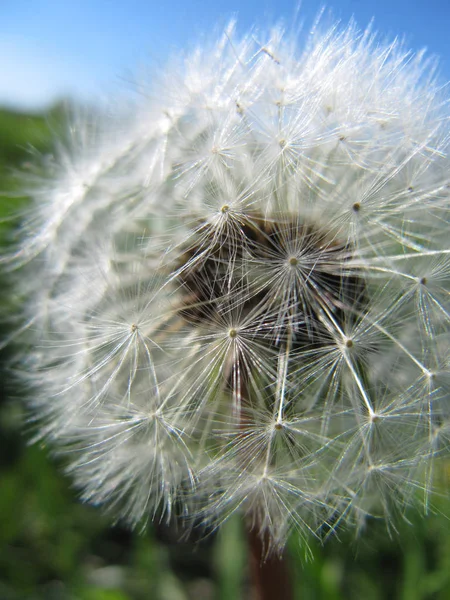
83 48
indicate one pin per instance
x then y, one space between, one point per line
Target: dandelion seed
238 294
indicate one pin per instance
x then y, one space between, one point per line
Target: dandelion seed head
238 288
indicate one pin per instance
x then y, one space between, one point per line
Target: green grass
54 548
20 133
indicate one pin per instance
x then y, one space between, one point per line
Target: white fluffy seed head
239 291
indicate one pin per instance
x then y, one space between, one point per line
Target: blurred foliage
54 548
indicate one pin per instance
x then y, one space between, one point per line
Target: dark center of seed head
220 280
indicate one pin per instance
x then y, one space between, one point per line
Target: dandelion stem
270 574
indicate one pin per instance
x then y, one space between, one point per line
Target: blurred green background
54 548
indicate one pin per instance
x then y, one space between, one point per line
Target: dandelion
238 290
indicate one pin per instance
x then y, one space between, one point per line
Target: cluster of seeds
239 293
